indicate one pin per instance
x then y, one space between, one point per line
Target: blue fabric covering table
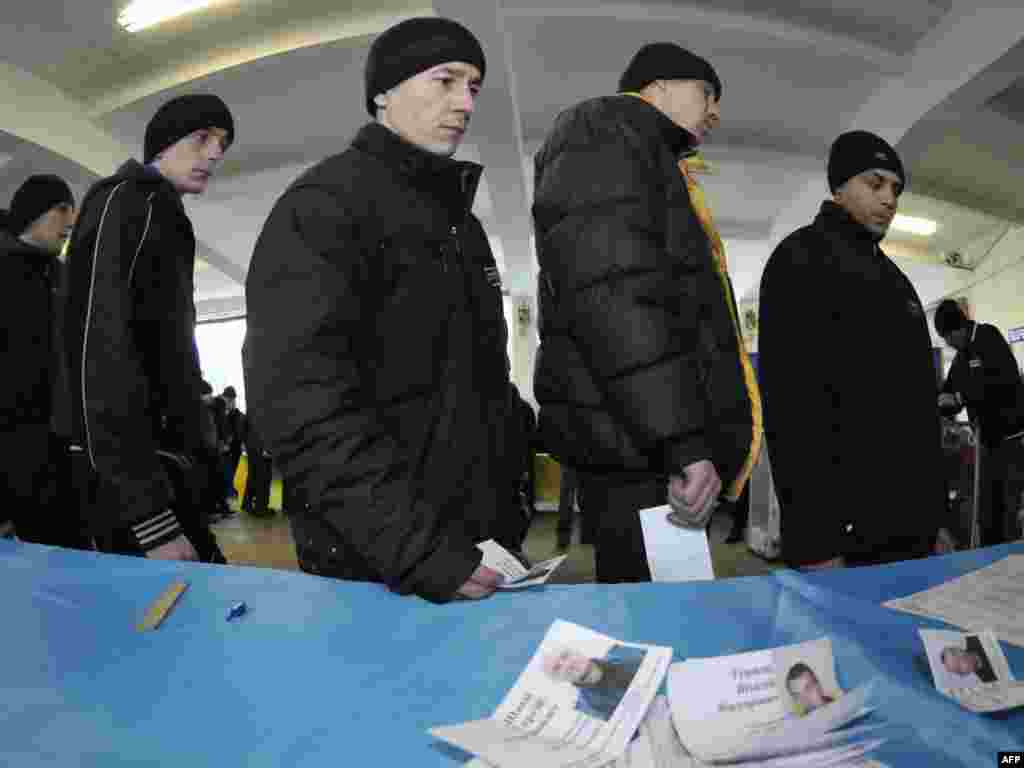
329 673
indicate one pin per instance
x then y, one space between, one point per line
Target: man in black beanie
849 378
985 378
130 340
383 391
638 315
41 215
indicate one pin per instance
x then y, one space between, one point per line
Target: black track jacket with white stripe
130 336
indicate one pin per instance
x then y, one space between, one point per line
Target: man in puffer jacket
642 377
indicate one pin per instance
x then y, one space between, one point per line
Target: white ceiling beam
305 33
823 41
498 119
973 35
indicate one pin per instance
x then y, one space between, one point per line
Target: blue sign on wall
1015 334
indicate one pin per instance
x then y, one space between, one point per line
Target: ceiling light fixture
914 226
145 13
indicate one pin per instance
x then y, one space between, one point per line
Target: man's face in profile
806 690
960 662
569 667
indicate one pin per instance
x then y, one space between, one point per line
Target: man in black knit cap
130 340
985 378
641 372
34 465
383 391
849 381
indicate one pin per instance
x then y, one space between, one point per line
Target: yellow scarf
700 206
688 166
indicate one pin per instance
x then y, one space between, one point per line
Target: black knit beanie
949 317
858 151
416 45
667 61
34 198
184 115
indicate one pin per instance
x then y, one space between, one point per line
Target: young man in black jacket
986 379
383 389
130 335
849 380
641 375
34 469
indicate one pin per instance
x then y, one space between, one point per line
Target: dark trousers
567 501
613 503
257 484
230 461
1002 465
35 471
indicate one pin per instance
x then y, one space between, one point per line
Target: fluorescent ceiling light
914 225
145 13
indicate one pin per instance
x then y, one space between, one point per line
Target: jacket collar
835 218
148 174
442 174
12 247
679 140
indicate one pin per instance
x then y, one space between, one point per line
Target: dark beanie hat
858 151
34 198
949 317
413 46
667 61
184 115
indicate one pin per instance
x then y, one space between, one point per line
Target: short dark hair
230 392
798 670
949 317
205 388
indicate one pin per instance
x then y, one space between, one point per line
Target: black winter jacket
850 391
130 323
639 364
376 366
27 277
988 380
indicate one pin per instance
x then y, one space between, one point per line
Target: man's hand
482 583
949 400
692 495
175 549
944 542
835 562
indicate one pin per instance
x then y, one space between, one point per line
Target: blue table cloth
329 673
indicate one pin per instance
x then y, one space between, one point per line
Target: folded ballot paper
577 704
517 576
586 700
971 669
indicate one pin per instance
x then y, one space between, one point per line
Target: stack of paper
586 700
779 707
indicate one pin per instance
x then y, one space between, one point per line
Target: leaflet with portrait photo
782 703
971 668
578 703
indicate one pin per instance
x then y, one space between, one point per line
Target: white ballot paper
971 668
775 707
577 704
989 598
497 558
674 553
